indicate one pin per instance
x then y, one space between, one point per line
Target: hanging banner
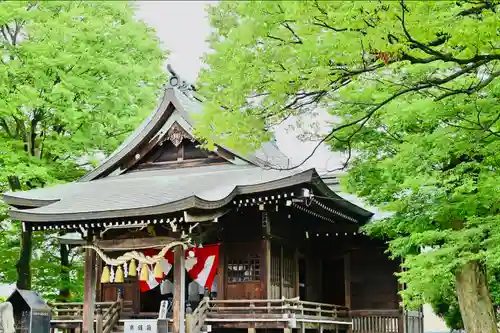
203 271
201 265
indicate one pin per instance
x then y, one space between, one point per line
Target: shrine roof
154 192
114 189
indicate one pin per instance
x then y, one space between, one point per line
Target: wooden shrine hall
267 249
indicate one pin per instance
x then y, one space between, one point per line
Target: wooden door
129 291
243 267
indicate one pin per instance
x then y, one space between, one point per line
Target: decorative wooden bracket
176 134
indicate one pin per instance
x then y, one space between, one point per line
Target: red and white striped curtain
201 265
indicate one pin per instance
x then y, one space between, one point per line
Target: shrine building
214 240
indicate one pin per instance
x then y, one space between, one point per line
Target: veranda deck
258 314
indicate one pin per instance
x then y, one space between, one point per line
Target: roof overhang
303 178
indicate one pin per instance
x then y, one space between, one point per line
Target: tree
49 278
75 77
414 90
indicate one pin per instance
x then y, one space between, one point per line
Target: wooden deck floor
265 314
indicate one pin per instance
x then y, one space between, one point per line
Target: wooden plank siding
373 283
284 279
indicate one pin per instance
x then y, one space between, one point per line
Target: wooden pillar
221 273
347 279
282 277
99 322
265 274
90 279
347 285
98 288
180 287
136 303
297 272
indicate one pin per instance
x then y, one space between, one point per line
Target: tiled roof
153 192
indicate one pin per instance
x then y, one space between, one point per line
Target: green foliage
414 88
45 263
75 78
273 59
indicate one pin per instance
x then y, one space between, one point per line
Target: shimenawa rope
140 257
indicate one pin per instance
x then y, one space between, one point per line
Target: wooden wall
313 277
244 256
343 270
284 272
373 283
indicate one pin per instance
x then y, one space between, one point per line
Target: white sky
182 27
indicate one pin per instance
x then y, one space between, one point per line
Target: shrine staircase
126 313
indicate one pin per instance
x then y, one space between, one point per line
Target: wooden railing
285 312
196 320
376 321
105 322
414 321
289 312
66 311
317 310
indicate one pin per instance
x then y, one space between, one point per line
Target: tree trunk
474 299
23 265
64 291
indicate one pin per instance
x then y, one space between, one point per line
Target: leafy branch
468 66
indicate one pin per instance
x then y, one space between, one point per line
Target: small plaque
163 310
140 326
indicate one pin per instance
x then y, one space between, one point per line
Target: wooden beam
90 279
179 290
205 216
133 243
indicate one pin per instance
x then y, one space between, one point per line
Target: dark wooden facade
287 254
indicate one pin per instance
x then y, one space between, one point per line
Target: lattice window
244 270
